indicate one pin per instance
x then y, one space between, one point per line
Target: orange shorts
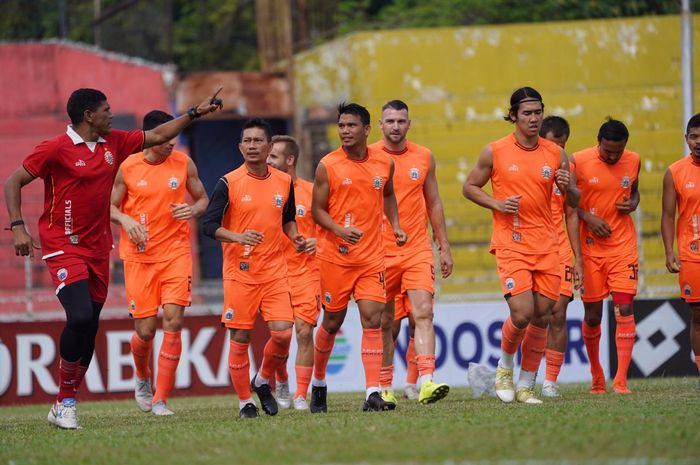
566 272
338 282
243 300
537 273
603 275
410 272
402 307
151 285
306 299
689 281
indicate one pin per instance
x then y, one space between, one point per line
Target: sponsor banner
662 347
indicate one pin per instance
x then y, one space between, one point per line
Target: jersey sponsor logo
327 297
228 316
109 158
80 163
414 174
246 198
244 266
625 183
513 168
546 172
377 182
74 239
142 183
62 274
594 180
301 210
68 217
510 284
690 185
278 200
173 183
347 182
687 290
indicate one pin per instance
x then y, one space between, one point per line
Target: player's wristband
193 113
15 223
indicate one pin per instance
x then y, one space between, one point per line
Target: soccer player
304 278
607 176
682 190
250 209
78 169
410 268
353 186
148 201
556 129
522 168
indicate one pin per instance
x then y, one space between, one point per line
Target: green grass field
658 424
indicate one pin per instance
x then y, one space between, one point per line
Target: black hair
397 105
155 118
354 109
82 100
693 122
557 125
613 130
258 123
521 95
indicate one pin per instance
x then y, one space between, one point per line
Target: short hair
397 105
354 109
80 101
258 123
522 95
291 144
155 118
693 122
557 125
613 130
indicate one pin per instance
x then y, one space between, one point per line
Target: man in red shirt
78 169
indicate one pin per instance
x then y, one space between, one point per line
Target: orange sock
323 347
141 350
411 366
239 369
533 345
591 339
276 352
554 360
386 377
372 351
281 375
426 365
511 336
624 340
168 358
303 380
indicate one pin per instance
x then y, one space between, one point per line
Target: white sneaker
410 392
160 409
504 384
300 404
143 394
63 414
550 389
284 399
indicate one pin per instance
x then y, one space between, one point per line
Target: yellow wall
457 82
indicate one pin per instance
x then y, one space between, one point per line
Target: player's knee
146 333
80 320
520 321
592 320
558 320
304 333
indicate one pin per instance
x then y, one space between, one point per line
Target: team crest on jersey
693 246
510 284
327 297
414 174
132 304
377 182
172 183
517 237
687 290
278 200
228 316
589 240
62 274
244 266
108 157
556 191
625 183
546 172
74 239
343 249
141 247
301 210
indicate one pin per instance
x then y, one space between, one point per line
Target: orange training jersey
601 186
355 198
150 190
410 170
256 203
528 172
302 266
558 205
686 181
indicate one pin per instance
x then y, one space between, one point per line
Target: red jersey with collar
77 189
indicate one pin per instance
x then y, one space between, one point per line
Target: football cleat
318 399
249 410
267 400
300 404
432 392
504 384
526 395
160 409
375 403
284 398
143 394
550 389
410 392
389 398
64 415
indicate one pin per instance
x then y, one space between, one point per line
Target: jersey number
635 271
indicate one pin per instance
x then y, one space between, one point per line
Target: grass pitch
658 424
